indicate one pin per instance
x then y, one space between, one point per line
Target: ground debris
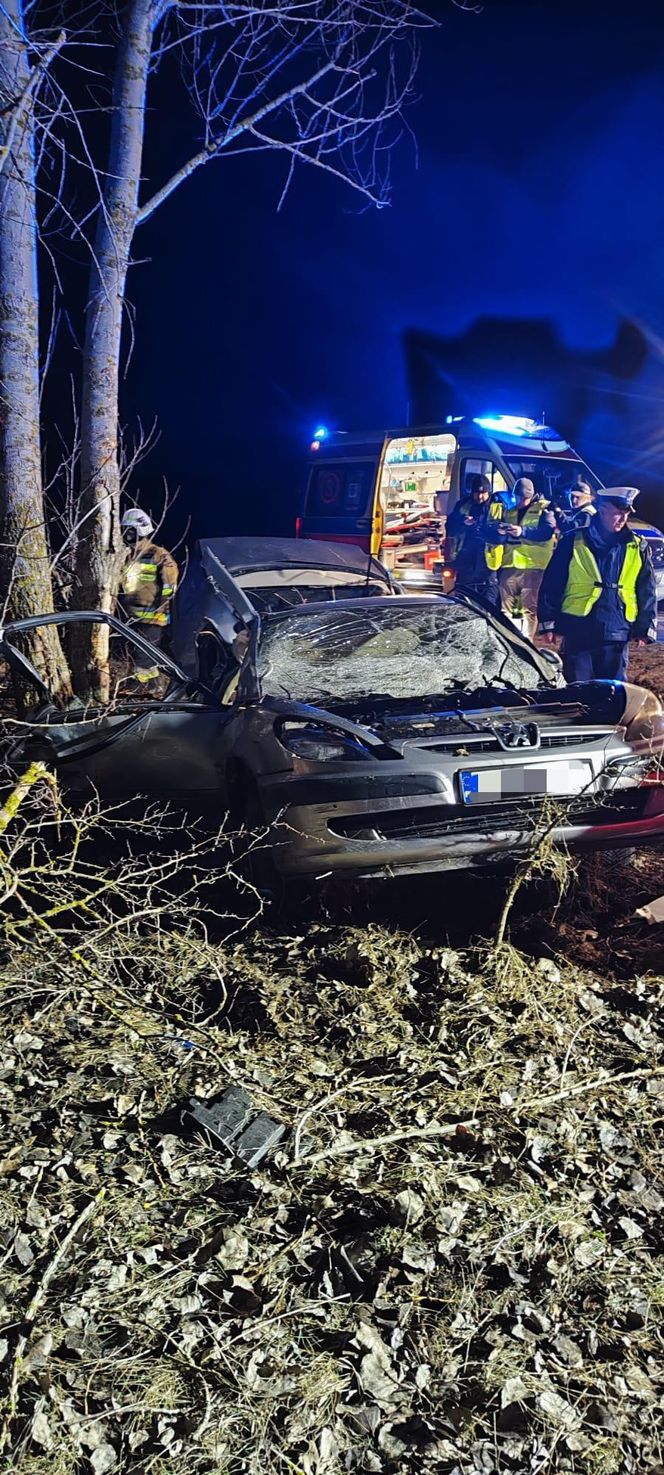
234 1124
450 1264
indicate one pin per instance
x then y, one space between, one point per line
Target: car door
172 747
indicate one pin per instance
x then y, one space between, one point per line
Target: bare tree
25 583
319 82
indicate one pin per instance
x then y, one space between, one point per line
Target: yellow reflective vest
521 554
584 582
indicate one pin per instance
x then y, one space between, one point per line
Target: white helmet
624 497
140 521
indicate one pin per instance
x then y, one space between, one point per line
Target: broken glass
400 650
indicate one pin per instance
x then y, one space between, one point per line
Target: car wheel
255 862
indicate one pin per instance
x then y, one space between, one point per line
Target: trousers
485 588
607 662
145 669
519 588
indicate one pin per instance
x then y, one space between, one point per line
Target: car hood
471 720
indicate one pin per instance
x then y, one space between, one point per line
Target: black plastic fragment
237 1126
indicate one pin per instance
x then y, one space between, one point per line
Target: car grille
490 744
432 821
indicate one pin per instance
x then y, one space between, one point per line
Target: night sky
535 192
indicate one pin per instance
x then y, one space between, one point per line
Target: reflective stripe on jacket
585 583
526 553
148 583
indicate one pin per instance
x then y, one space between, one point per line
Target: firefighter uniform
521 562
598 593
147 585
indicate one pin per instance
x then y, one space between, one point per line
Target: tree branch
30 87
211 150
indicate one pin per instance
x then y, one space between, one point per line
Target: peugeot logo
513 735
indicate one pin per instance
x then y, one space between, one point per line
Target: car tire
255 863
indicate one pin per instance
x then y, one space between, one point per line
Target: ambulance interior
414 491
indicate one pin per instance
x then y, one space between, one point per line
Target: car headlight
643 717
626 773
319 745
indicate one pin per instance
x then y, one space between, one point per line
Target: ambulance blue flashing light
508 424
321 432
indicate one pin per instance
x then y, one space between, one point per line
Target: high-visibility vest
520 554
494 551
585 584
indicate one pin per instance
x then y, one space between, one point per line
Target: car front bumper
370 838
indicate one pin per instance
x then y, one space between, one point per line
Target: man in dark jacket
581 510
598 592
466 542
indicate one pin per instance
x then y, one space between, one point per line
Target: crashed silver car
373 736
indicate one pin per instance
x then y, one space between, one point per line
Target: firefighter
521 542
599 592
466 545
148 583
580 511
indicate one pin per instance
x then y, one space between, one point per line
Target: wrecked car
373 736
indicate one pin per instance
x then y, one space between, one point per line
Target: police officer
580 511
466 546
598 592
521 540
147 585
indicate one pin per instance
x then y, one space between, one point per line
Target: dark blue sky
537 192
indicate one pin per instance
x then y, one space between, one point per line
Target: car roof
239 555
379 601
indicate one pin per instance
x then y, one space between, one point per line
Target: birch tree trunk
99 548
25 578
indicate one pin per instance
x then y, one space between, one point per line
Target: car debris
234 1122
653 911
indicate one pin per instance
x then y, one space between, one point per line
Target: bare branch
219 145
27 92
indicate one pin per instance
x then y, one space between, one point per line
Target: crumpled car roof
241 554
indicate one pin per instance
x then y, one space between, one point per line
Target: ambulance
390 493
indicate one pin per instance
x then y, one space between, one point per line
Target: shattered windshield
401 649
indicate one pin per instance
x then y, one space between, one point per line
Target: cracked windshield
398 652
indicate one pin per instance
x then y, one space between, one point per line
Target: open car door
171 747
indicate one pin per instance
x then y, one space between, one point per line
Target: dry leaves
475 1286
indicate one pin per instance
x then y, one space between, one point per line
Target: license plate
482 785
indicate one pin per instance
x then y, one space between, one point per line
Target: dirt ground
453 1261
646 667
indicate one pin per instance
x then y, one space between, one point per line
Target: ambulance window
475 467
341 489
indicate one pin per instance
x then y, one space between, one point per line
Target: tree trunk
98 559
25 578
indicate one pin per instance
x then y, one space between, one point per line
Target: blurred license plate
480 786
